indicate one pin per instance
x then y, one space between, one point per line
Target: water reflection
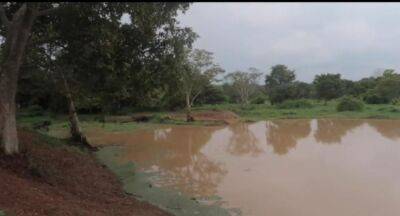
283 134
243 164
243 140
331 131
177 154
388 128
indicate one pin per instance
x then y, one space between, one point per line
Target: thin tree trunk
18 32
189 117
75 129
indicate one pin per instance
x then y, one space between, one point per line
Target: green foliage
295 104
280 75
395 101
212 94
371 97
348 103
279 83
108 64
244 83
33 110
388 86
259 99
328 86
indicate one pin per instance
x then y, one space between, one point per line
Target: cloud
348 38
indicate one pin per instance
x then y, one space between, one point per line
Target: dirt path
47 180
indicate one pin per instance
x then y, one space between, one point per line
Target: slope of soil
51 178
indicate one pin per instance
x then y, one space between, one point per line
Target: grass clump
295 104
349 104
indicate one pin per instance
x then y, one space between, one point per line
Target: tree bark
189 117
18 32
75 129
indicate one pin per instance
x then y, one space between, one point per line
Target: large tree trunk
75 129
18 32
189 117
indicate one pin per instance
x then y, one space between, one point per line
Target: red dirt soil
48 180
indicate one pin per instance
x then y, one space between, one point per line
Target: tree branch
3 16
194 97
50 11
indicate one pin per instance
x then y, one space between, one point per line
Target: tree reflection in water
331 131
387 128
243 141
283 134
176 152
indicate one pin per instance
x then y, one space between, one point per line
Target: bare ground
48 180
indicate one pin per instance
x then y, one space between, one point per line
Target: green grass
252 112
318 110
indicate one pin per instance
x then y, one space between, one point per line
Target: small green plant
349 104
295 104
395 101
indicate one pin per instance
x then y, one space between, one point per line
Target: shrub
373 98
295 104
395 101
33 110
349 104
260 99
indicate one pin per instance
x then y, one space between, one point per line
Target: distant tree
300 90
279 83
349 87
198 71
328 86
212 94
244 83
280 75
230 92
388 86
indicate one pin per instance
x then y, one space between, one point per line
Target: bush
395 101
373 98
349 104
295 104
260 99
33 110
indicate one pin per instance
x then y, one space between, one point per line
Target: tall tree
280 75
198 71
328 86
17 25
279 83
245 83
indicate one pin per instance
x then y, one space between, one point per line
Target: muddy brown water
279 168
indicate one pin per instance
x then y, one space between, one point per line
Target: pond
301 167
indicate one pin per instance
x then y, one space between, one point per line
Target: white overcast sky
354 39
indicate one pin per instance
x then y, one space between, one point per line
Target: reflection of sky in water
281 167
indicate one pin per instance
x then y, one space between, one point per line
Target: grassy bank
317 110
251 112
